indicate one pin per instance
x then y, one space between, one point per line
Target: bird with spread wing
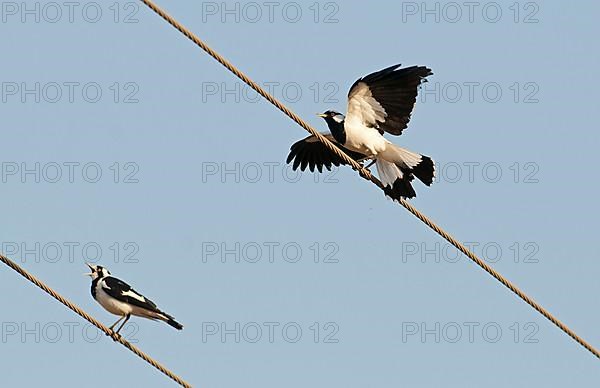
377 103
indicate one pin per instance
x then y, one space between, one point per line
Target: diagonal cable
368 176
93 321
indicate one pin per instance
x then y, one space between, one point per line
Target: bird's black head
97 271
335 122
332 116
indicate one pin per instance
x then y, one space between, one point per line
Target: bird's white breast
111 304
363 139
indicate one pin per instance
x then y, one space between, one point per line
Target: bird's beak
91 268
323 115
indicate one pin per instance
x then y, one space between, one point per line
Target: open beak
91 268
323 115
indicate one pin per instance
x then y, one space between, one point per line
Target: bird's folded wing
385 99
312 153
121 291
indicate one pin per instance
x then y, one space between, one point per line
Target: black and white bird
118 298
377 103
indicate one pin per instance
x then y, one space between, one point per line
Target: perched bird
118 298
377 103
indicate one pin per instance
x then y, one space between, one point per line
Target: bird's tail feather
397 182
397 167
170 321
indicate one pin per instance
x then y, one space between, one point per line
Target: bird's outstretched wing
312 153
120 290
385 99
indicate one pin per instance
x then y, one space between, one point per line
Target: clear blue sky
143 154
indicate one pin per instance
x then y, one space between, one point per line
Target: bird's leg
362 160
114 335
123 324
115 324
